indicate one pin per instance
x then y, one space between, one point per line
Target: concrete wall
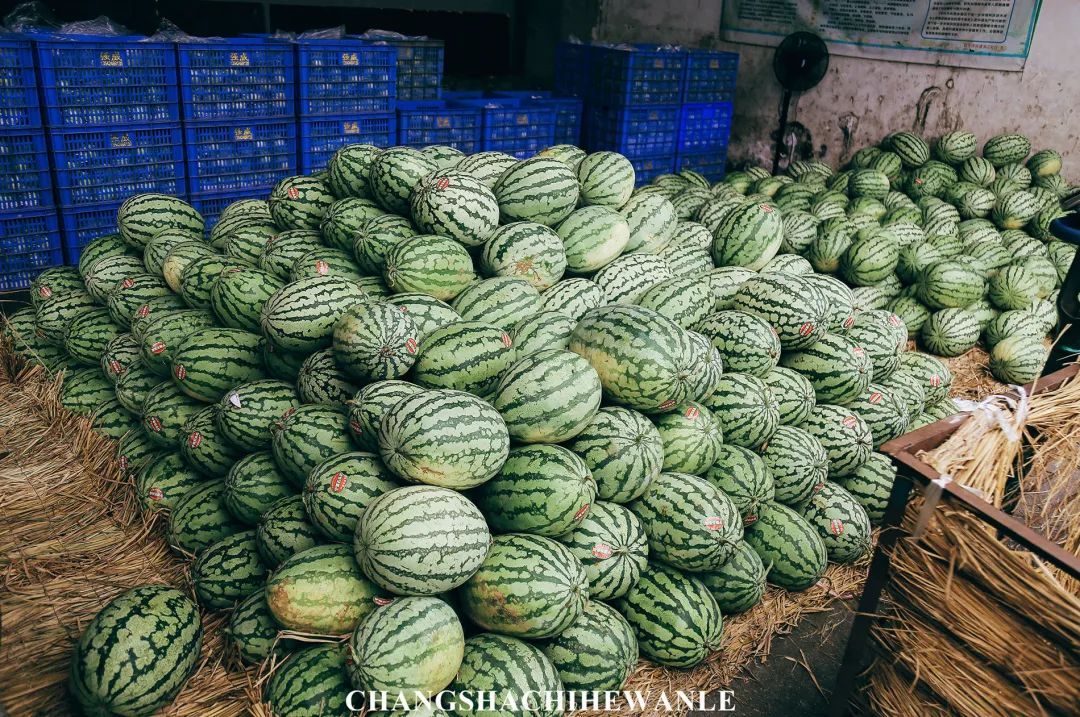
859 101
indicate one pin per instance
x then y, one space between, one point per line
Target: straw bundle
897 695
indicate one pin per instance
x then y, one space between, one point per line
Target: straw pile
73 539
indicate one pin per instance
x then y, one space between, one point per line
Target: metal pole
785 103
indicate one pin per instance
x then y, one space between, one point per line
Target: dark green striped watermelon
794 395
592 237
199 519
165 410
160 336
429 264
870 484
597 652
838 369
310 683
250 410
503 669
252 485
301 315
340 488
539 190
228 571
548 397
284 530
366 409
545 331
502 301
573 297
299 202
163 480
204 447
143 216
784 539
393 175
691 438
348 168
623 450
798 464
464 356
238 295
322 381
375 342
344 218
210 361
747 343
88 334
304 437
841 522
456 205
745 409
611 544
253 631
844 435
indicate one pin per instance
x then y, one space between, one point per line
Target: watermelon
1010 324
456 205
525 250
628 277
344 218
592 237
745 409
325 261
204 447
706 367
743 477
528 586
199 519
245 245
749 236
321 380
1044 163
840 521
238 215
301 315
165 410
252 485
228 571
466 356
623 450
253 632
19 328
724 282
238 295
539 190
53 319
1004 149
426 312
411 647
690 524
838 369
597 652
393 175
547 397
88 334
1017 360
163 480
573 297
883 336
870 258
444 438
505 671
606 178
798 464
738 584
103 247
198 278
502 301
374 239
281 251
249 411
348 169
284 530
794 395
159 624
84 391
691 437
303 437
486 166
320 590
950 284
547 330
651 220
611 544
143 216
159 337
795 310
99 279
675 618
687 261
686 300
784 539
368 406
568 154
134 451
1014 287
299 202
338 490
310 683
950 332
844 435
747 343
433 265
210 361
884 411
955 147
870 485
639 355
401 542
443 156
374 341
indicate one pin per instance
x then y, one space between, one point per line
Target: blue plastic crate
419 68
520 129
648 168
81 225
710 76
321 137
233 79
645 131
340 77
709 164
704 127
573 69
29 242
95 166
25 181
420 123
212 205
451 95
91 81
18 86
568 112
641 75
230 156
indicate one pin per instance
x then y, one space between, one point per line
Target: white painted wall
875 97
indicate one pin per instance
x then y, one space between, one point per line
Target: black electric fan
800 62
1067 347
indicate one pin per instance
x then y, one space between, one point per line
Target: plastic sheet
31 17
100 25
169 31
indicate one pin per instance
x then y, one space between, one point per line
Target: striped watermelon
798 464
238 215
157 623
143 216
301 315
950 284
786 540
547 397
99 280
426 312
410 647
738 584
245 245
303 437
675 618
837 368
745 409
299 202
543 490
313 681
393 175
1009 324
368 406
910 390
528 586
504 669
249 411
547 330
237 296
651 219
340 488
165 410
210 361
284 530
163 480
348 168
502 301
53 319
623 450
58 281
691 438
870 485
841 522
611 544
199 519
228 571
794 395
1044 163
685 300
443 156
690 524
321 380
1004 149
573 297
344 219
568 154
883 336
204 447
538 190
749 236
794 309
375 341
198 278
433 265
724 282
254 633
871 258
454 204
687 260
743 477
252 485
486 166
884 411
593 237
844 435
320 590
838 299
747 343
640 356
597 652
445 438
88 334
606 178
625 280
912 149
401 542
1014 287
466 356
374 239
103 247
525 250
325 261
954 147
134 451
19 328
950 332
85 391
706 367
1017 360
282 250
791 264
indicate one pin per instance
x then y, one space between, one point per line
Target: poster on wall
987 34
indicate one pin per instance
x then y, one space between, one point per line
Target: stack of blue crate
238 98
567 112
29 228
705 123
113 116
449 123
419 67
347 94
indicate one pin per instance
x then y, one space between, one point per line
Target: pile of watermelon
501 425
955 243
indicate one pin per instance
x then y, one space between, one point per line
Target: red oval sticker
155 494
849 421
749 519
581 512
181 372
338 482
667 405
127 283
692 412
157 347
293 193
806 329
507 342
44 292
123 463
410 345
848 322
154 423
836 526
935 381
194 440
875 397
143 311
322 268
442 183
382 601
115 367
602 551
355 427
713 522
